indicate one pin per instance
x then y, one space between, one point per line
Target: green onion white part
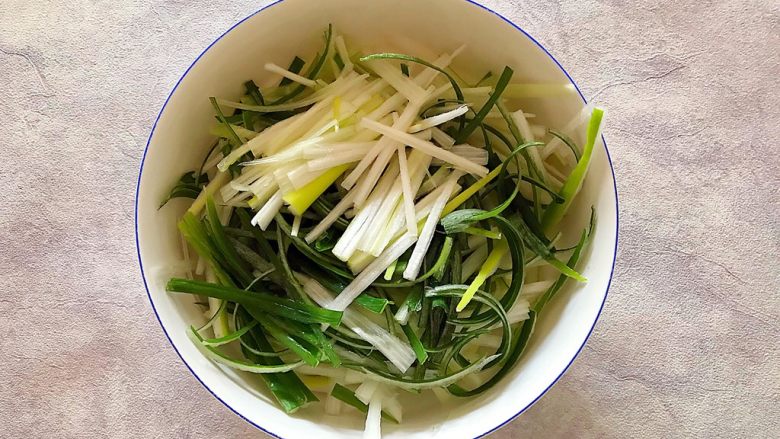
396 351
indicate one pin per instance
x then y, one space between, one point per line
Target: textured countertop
687 345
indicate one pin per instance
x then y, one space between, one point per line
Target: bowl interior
426 29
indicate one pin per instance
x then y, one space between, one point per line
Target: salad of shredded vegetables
375 224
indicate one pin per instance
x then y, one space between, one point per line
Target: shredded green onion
324 197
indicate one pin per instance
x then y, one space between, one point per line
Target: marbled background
688 342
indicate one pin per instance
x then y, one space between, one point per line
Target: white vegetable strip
280 176
404 85
317 112
374 418
434 181
296 226
331 124
408 196
239 200
534 288
538 131
347 245
248 175
365 391
375 244
392 406
212 161
266 214
397 351
302 175
426 147
334 160
235 187
388 106
360 260
271 67
437 93
335 87
348 134
317 151
239 183
262 195
220 179
387 146
443 139
350 239
391 216
330 218
439 119
415 261
402 315
257 144
367 94
332 406
418 163
354 377
475 241
525 130
330 120
371 273
341 48
422 208
295 151
518 312
424 134
278 134
475 155
423 80
443 108
262 184
554 173
368 181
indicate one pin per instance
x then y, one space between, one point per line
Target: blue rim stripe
138 248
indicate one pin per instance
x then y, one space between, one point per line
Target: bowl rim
149 295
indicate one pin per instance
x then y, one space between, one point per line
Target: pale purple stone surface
687 345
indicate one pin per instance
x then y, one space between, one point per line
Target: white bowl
180 137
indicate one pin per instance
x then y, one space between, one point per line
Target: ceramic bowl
276 33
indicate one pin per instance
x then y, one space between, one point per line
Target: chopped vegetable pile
376 224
